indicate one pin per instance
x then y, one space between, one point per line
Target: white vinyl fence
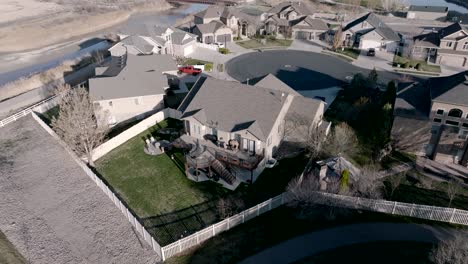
40 107
123 137
207 46
228 223
443 214
128 214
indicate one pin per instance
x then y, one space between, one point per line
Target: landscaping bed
416 65
270 43
350 52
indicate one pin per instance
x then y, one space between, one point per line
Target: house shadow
300 79
90 42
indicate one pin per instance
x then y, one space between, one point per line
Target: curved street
315 242
301 70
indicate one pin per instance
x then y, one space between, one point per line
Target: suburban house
153 39
235 129
293 20
241 24
131 87
212 32
369 31
431 119
447 46
427 12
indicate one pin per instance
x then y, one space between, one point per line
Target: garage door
223 38
453 61
188 50
304 35
209 39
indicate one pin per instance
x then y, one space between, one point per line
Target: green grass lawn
208 64
49 114
152 185
353 53
424 66
257 44
8 253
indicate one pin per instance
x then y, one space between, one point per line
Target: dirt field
52 212
32 24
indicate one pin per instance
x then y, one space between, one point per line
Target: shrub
344 180
223 51
406 65
272 37
418 67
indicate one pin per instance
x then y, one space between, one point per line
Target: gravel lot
52 212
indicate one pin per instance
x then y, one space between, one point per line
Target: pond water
451 6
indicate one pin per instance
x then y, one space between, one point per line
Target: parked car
219 45
190 70
371 52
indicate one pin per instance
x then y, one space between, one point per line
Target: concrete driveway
310 244
381 61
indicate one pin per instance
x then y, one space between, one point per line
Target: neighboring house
131 86
447 46
369 31
293 20
153 39
241 24
431 119
235 129
212 32
427 12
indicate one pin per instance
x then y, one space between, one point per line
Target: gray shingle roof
434 9
139 43
380 27
211 27
449 30
316 24
450 89
271 82
298 6
142 75
211 12
429 40
232 106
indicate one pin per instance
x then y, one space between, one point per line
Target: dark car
190 70
371 52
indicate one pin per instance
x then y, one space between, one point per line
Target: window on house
452 123
455 112
437 120
110 103
440 111
465 46
465 125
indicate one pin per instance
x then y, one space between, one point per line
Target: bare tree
394 181
368 185
303 194
227 207
342 140
392 5
453 189
77 124
452 251
299 128
337 42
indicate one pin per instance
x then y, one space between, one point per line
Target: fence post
453 214
228 223
243 216
412 208
269 204
163 255
394 205
432 211
198 239
180 247
258 209
212 228
356 204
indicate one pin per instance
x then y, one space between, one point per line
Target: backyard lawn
152 185
8 253
257 44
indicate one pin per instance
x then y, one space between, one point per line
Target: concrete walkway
307 245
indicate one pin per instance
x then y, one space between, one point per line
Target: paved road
318 241
301 70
